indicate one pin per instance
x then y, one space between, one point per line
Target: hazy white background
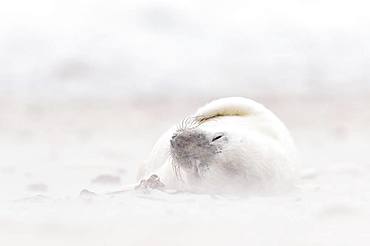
118 48
86 87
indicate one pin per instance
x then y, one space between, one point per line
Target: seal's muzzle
195 149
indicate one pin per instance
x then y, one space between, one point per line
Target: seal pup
230 144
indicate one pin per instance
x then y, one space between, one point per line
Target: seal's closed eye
218 136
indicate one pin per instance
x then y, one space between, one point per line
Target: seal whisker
188 123
176 169
195 123
178 173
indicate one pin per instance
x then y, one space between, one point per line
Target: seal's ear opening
217 136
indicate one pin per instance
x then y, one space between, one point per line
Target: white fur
259 145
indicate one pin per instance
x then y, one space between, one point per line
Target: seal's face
195 150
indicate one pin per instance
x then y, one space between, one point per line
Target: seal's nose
172 140
180 141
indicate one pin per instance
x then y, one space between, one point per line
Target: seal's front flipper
153 182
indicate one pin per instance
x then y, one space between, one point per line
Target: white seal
230 144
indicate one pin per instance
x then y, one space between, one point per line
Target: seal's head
194 150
